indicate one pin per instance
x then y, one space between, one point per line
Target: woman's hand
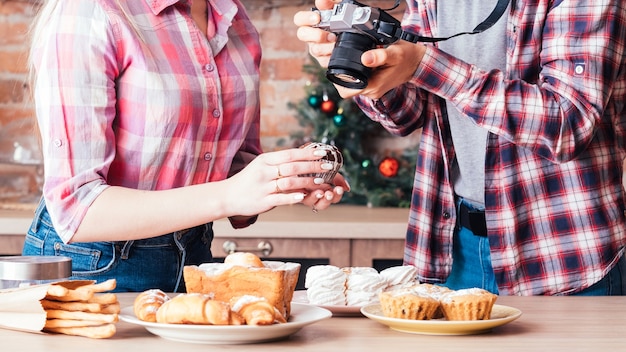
270 180
324 196
273 179
394 65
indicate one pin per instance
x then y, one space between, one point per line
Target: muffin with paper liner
468 304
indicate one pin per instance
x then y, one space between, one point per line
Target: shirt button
216 113
579 69
446 215
209 67
58 143
208 156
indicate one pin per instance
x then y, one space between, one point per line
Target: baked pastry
147 303
434 291
244 259
467 304
407 303
256 310
326 285
330 285
363 285
398 276
275 281
196 308
333 156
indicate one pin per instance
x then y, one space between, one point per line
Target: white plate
300 297
301 315
500 315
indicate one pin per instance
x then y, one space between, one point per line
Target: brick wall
15 17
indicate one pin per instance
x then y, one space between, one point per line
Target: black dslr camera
358 28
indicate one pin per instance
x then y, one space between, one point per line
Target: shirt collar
225 8
159 5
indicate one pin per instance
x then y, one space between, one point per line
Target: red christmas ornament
389 167
328 106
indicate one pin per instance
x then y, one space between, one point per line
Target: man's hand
393 65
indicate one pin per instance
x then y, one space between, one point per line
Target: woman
149 120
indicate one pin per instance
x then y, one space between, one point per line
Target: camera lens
345 67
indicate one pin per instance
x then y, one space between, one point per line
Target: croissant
147 303
256 310
197 308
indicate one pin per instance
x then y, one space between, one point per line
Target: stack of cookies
81 308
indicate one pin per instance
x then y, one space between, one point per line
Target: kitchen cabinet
14 224
345 235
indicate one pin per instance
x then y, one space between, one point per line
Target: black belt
473 220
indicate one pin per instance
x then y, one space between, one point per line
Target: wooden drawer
365 252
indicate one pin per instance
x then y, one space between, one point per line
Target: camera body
358 28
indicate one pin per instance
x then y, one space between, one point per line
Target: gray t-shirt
486 50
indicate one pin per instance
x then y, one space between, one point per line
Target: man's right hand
394 65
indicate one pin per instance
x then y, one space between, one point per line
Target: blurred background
285 86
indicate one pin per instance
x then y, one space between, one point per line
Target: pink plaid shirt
553 189
139 98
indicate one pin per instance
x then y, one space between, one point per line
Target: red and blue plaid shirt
557 121
137 97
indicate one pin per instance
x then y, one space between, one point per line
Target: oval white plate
500 315
300 297
301 316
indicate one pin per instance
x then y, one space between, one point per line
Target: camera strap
495 15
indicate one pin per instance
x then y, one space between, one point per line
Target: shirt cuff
240 222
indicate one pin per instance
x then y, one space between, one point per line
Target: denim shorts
136 265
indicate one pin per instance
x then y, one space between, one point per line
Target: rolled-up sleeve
75 105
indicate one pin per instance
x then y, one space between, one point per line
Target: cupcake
434 291
467 304
333 156
408 304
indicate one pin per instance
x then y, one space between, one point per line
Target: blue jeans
136 265
471 267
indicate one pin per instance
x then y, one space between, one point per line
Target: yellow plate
500 315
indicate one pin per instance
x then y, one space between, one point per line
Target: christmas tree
377 178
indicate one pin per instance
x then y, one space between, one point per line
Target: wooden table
547 324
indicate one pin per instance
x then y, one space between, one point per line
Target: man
518 181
